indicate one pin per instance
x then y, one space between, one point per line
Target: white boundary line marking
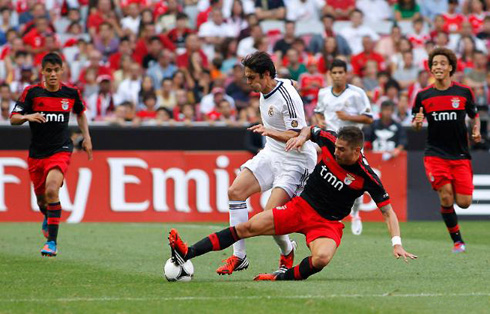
110 299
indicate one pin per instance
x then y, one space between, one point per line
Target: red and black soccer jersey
52 136
332 189
446 111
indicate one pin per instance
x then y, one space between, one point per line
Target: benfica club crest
455 102
348 179
65 104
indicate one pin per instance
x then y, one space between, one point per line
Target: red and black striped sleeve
471 109
79 105
322 137
24 103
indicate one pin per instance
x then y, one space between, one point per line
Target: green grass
107 268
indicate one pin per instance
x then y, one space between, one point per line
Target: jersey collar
346 87
279 84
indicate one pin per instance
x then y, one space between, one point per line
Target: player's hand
295 143
87 146
419 118
476 134
258 128
342 115
398 251
35 117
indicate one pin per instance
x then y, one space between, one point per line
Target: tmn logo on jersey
445 116
455 102
53 117
65 104
332 179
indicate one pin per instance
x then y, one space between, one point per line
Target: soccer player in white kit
273 168
342 105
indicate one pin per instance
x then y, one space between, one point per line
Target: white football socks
284 243
238 214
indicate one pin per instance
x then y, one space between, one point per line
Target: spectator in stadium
467 31
96 64
386 46
418 38
105 41
166 94
370 76
192 45
155 47
270 9
304 10
385 135
392 92
222 112
246 45
485 33
310 83
403 113
162 69
339 9
130 87
317 42
430 8
356 31
407 75
124 70
476 76
179 34
421 83
187 114
359 60
453 21
477 15
237 18
101 104
34 39
143 43
228 51
168 20
285 43
6 95
214 31
123 114
148 111
406 10
382 11
164 115
203 15
238 88
211 100
104 12
329 53
131 23
147 88
295 67
438 26
5 110
26 79
7 23
123 49
27 19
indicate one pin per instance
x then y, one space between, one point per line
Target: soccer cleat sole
49 254
243 265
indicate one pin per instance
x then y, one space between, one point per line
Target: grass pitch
106 268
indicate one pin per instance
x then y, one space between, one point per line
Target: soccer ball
175 272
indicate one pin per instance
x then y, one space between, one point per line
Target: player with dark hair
284 173
47 106
338 180
447 159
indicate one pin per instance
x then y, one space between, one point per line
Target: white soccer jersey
282 109
353 101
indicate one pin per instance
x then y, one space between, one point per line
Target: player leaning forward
338 179
47 106
447 159
273 168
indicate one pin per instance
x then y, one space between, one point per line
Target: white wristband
396 240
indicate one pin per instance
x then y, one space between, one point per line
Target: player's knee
235 194
244 230
464 203
321 260
51 192
41 203
447 198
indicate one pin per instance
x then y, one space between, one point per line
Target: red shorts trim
40 167
458 173
298 216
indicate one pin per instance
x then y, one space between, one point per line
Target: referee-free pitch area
106 268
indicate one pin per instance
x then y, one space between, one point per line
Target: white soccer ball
175 272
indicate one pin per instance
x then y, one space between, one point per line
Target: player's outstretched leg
260 224
54 180
356 223
322 249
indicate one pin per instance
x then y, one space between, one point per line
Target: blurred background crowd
152 62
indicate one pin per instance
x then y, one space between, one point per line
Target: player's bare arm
320 120
87 141
394 229
277 135
475 130
19 119
354 118
418 120
299 140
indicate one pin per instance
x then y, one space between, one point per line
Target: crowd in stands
159 61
